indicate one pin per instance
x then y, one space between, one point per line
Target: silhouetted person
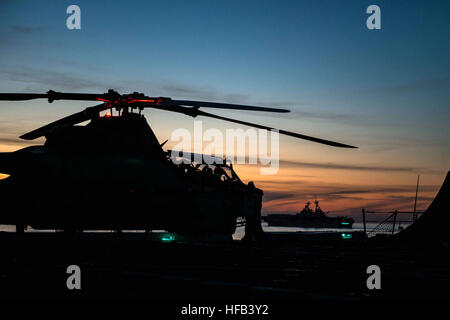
219 172
206 174
253 205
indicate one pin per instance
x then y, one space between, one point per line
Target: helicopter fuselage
111 174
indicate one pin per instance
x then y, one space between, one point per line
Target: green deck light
346 235
168 238
345 223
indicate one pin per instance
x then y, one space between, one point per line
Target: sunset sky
386 91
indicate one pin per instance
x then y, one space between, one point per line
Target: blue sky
387 91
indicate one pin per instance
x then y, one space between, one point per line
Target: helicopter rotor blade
53 95
138 100
284 132
73 119
114 97
194 112
218 105
22 96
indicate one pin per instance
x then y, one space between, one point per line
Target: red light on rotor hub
141 100
104 100
131 101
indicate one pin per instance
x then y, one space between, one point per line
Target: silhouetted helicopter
113 174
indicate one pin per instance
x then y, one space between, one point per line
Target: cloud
313 194
357 167
295 112
358 193
63 63
175 89
350 190
281 198
326 115
293 179
235 98
13 141
437 84
277 195
296 106
209 93
38 79
337 166
291 204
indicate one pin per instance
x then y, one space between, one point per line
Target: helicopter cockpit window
211 175
229 172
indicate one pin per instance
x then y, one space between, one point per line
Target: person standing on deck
253 205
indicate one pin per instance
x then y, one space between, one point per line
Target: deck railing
389 224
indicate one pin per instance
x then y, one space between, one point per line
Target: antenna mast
415 200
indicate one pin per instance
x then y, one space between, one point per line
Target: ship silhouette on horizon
309 218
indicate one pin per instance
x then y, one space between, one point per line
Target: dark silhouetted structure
113 173
434 223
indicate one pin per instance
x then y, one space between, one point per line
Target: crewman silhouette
252 209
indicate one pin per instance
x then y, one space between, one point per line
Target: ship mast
415 200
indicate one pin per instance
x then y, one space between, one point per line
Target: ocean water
356 227
240 230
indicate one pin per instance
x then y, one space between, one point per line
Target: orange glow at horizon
3 176
291 188
339 191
